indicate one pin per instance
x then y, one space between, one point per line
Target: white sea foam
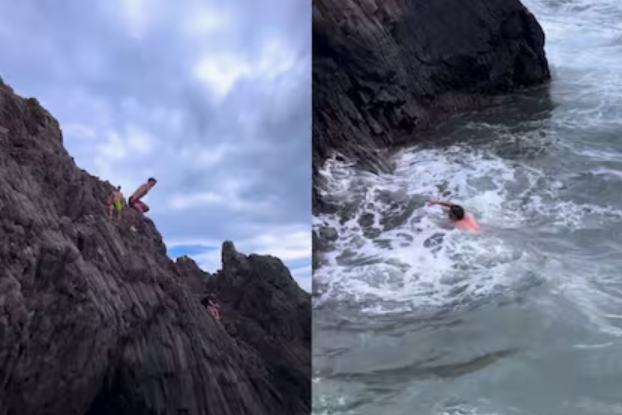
423 262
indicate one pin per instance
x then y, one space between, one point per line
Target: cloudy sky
211 97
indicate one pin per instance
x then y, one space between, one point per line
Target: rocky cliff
95 319
385 70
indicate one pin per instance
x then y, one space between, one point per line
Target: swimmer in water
461 219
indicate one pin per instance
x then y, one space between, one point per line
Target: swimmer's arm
438 202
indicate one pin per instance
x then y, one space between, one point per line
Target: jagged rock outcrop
384 70
95 319
262 307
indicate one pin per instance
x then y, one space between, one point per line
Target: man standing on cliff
115 202
461 219
135 200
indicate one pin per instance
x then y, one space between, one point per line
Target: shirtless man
115 202
214 308
134 200
461 219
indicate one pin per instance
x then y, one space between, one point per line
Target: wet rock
383 243
317 259
367 219
385 71
398 215
346 257
407 237
390 197
371 233
328 233
96 319
191 273
321 244
434 242
347 213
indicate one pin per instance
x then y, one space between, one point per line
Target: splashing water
413 316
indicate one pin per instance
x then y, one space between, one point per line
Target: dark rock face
384 70
95 319
264 310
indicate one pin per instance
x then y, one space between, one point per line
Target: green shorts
118 205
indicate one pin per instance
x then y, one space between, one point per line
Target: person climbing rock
115 202
461 219
212 306
135 200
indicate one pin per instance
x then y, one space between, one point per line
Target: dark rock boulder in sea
95 319
385 70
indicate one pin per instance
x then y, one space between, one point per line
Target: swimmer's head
456 212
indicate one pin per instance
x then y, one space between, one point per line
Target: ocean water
414 317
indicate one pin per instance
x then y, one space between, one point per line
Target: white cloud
210 261
113 149
288 244
205 156
181 242
182 202
135 13
139 141
130 105
227 198
221 72
275 59
78 131
207 21
117 148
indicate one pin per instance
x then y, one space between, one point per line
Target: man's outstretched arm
438 202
